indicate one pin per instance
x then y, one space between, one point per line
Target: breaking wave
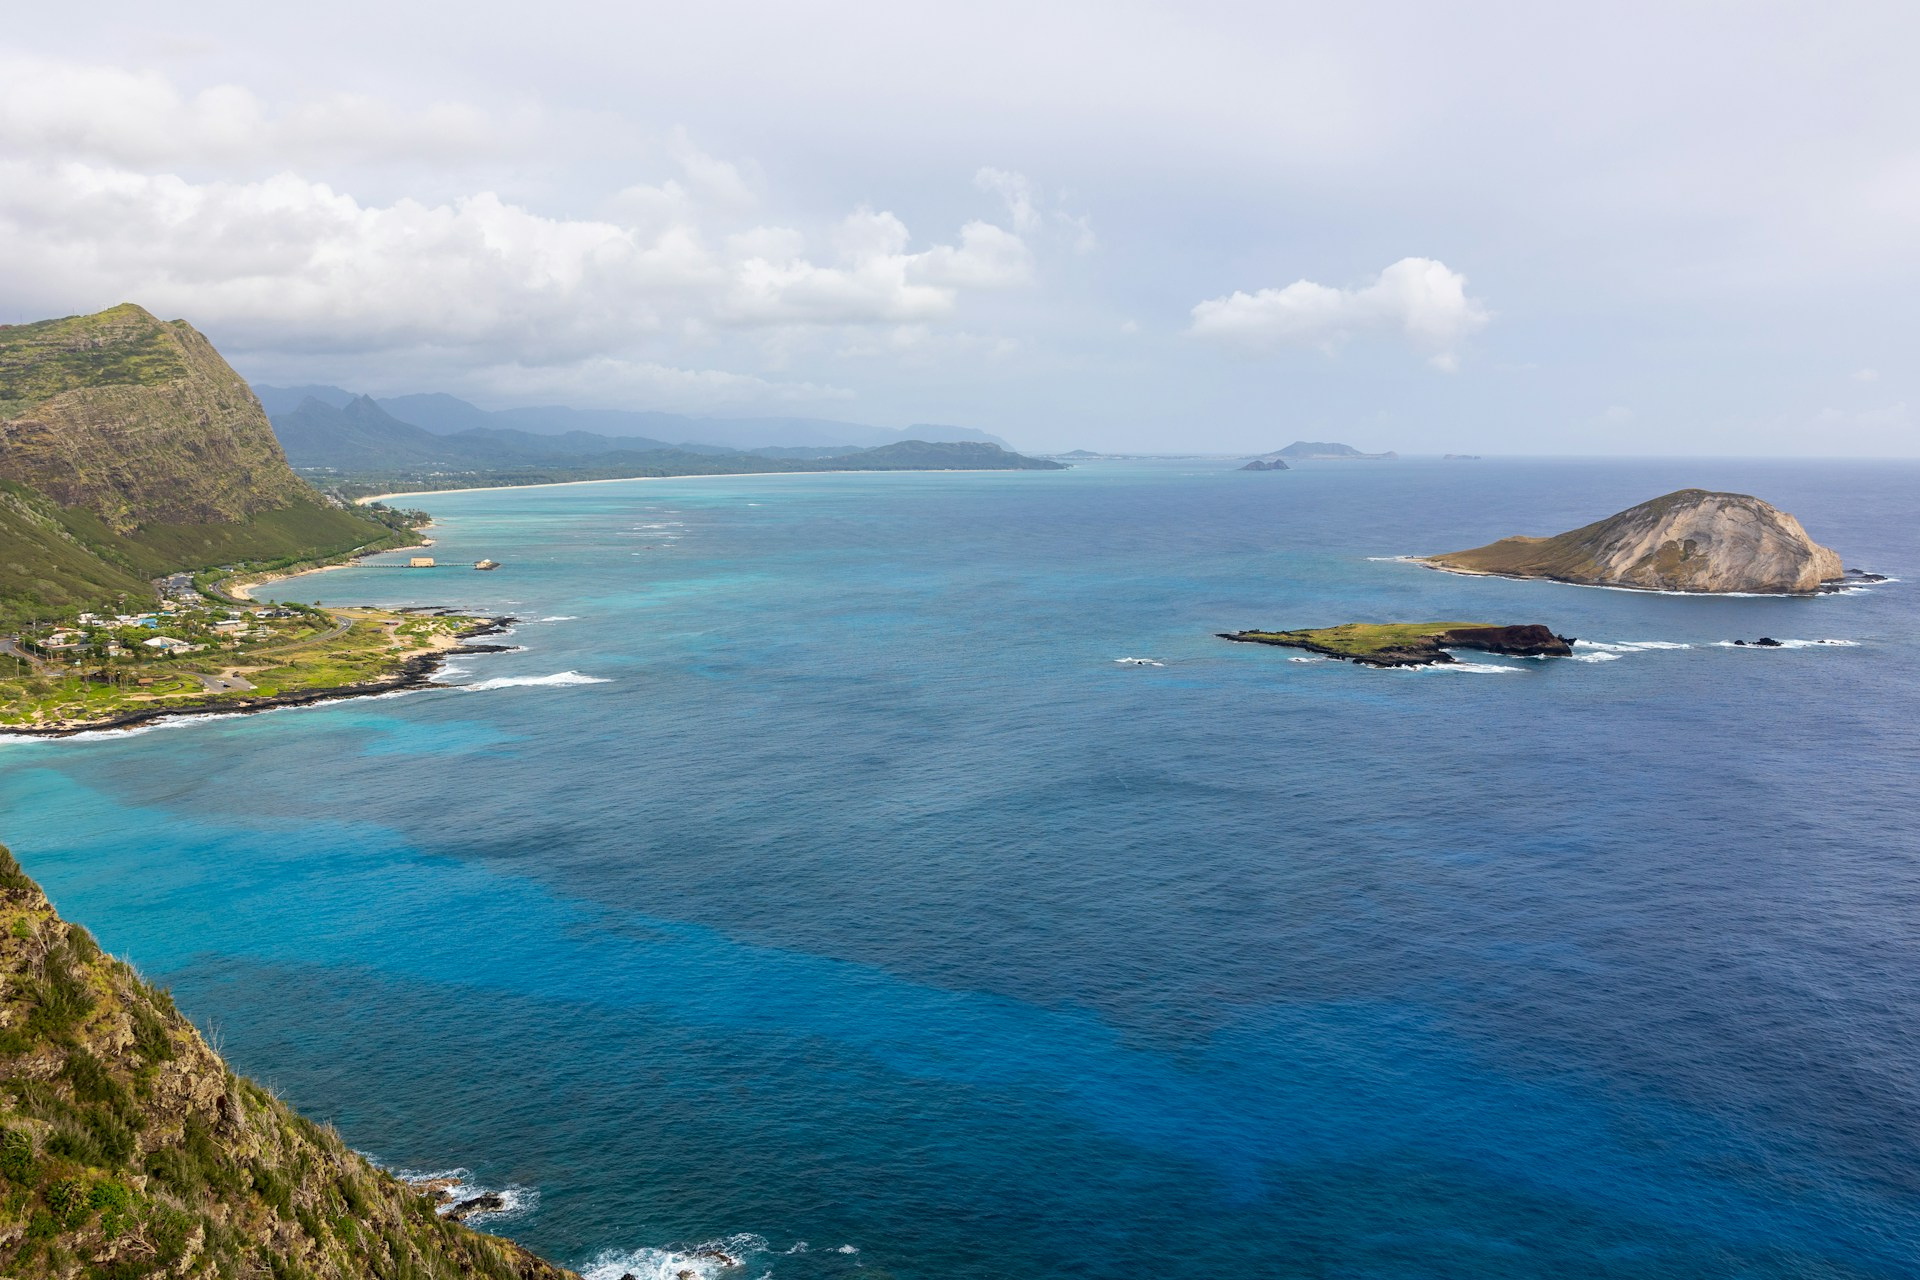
519 682
1789 644
1139 662
706 1261
1609 651
450 1188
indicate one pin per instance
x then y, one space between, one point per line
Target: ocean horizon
893 874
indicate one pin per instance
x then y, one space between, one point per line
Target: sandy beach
244 590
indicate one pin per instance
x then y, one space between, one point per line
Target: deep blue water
868 902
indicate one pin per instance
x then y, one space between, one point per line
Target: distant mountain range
443 414
364 448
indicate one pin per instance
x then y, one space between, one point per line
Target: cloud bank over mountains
298 265
1134 227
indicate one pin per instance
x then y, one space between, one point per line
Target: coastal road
223 684
341 624
10 648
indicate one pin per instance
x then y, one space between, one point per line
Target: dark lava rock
1530 640
1766 642
1266 464
486 1202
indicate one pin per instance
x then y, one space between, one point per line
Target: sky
1675 228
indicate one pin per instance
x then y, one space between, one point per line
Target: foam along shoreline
737 475
416 672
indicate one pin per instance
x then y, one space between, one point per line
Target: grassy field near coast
334 652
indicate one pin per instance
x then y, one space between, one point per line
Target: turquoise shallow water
816 874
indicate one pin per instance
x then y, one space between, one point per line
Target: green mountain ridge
129 1149
130 449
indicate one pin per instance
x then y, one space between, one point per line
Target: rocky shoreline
416 672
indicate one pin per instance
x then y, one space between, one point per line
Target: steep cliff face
128 1149
129 449
1690 540
139 421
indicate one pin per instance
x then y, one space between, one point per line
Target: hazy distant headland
354 445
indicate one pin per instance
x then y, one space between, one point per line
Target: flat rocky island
1414 644
1690 540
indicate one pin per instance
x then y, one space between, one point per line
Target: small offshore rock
486 1202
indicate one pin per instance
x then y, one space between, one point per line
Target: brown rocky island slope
1690 540
129 1149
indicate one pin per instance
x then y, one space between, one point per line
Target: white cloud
67 110
1866 375
1887 417
1023 201
299 264
1016 192
1420 298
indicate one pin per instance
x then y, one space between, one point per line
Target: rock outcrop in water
1271 462
1691 540
129 1149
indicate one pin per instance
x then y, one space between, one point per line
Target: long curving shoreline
705 475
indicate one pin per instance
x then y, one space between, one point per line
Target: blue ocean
821 879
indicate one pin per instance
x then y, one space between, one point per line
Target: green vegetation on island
128 1148
129 450
1413 644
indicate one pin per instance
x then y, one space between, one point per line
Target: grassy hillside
128 1148
129 449
120 347
45 567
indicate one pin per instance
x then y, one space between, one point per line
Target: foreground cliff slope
1690 540
129 449
128 1149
